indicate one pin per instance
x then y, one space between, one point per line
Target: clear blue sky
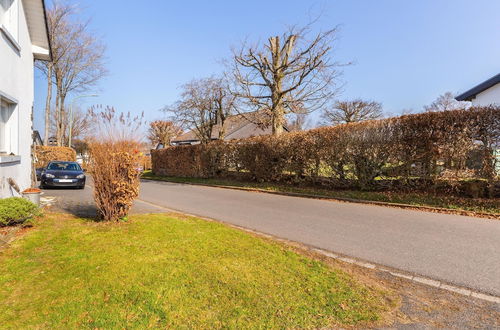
406 53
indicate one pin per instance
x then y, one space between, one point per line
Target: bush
16 210
115 161
405 152
45 154
114 168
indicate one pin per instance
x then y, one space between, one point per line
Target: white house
484 94
23 38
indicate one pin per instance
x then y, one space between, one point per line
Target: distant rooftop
471 93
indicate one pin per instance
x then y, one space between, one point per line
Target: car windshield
64 166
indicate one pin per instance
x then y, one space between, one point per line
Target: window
7 130
64 166
9 17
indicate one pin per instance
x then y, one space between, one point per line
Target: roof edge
47 30
471 93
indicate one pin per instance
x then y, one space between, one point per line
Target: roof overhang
36 18
471 93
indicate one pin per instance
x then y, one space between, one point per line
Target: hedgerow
451 149
45 154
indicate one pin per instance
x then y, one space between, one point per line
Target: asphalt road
460 250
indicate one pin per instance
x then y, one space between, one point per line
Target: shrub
16 210
45 154
114 162
414 150
116 177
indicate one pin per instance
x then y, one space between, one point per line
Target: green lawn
167 271
478 205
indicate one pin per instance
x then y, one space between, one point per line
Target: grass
170 271
477 205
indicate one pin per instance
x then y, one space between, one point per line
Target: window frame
11 29
9 134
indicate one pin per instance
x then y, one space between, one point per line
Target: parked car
39 172
63 174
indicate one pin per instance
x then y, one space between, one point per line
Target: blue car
63 174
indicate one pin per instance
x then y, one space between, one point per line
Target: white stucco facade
488 97
17 54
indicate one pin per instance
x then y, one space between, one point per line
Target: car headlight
50 176
80 176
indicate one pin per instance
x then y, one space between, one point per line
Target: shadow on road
73 201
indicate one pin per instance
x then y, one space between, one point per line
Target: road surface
459 250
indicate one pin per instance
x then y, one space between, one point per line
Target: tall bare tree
446 102
289 73
163 131
205 104
58 18
351 111
78 61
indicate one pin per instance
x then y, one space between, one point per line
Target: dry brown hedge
413 151
114 167
45 154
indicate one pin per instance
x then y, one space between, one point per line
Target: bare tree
298 121
351 111
58 18
446 102
163 131
286 75
81 124
78 61
205 103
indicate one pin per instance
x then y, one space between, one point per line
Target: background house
236 127
23 38
484 94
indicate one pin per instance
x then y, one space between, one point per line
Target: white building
484 94
23 38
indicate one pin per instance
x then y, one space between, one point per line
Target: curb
421 280
396 273
347 200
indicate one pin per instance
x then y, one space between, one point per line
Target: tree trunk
58 118
63 127
277 121
47 105
278 112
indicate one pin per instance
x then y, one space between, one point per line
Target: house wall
488 97
17 84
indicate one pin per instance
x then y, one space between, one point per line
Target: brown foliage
116 178
45 154
409 151
114 161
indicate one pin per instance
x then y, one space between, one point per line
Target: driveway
81 202
460 250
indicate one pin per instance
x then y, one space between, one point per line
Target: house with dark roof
484 94
240 126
